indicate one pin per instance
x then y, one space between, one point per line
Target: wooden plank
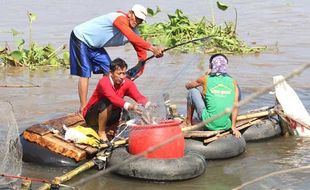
200 134
89 149
56 145
32 137
70 120
38 129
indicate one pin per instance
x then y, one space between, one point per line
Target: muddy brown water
281 25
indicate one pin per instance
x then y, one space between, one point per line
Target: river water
282 26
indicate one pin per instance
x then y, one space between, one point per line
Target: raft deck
43 135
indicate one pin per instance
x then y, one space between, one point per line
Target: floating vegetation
36 55
180 28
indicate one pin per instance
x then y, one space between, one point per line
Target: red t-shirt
140 45
106 89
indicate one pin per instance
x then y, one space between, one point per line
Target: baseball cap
139 11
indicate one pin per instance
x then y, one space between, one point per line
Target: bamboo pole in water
26 184
18 86
69 175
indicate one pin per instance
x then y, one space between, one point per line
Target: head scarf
219 65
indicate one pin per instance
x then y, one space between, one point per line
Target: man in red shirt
105 105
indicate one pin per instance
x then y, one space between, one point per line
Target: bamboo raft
42 134
244 121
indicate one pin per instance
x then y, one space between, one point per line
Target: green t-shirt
220 94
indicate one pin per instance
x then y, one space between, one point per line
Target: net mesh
10 146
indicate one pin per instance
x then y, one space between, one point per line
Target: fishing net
10 146
151 115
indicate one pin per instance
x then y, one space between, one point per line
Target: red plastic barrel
143 137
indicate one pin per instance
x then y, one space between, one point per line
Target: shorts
92 114
84 60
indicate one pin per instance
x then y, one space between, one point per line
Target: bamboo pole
74 172
115 144
206 134
18 86
190 128
200 134
240 117
26 184
257 114
206 141
69 175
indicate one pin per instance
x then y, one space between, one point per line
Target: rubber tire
225 147
34 153
262 131
190 166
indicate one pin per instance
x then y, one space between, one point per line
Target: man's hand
188 85
236 132
157 51
135 108
80 111
136 71
151 107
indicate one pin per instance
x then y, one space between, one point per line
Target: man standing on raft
88 41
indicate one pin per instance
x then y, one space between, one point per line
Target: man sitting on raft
219 91
105 105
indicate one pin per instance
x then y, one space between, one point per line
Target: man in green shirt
219 91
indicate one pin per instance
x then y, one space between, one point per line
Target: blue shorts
84 59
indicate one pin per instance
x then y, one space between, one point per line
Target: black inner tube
190 166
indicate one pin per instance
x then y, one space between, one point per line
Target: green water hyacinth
180 28
36 55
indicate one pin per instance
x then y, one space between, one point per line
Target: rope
271 174
119 134
36 180
26 178
10 103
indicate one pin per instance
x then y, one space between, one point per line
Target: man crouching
105 105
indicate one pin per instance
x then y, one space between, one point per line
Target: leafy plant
221 6
35 55
180 28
